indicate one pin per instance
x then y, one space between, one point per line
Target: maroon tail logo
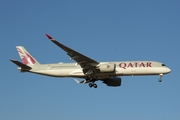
26 58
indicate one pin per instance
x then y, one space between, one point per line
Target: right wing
85 62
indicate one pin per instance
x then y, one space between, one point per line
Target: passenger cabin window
163 65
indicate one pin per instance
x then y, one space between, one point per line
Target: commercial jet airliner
88 69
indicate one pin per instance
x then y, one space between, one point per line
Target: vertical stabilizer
26 57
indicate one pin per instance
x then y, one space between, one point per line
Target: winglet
77 81
51 38
80 82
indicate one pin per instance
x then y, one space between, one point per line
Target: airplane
89 69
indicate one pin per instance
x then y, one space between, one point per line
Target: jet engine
113 82
110 67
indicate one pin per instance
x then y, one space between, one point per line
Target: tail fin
26 57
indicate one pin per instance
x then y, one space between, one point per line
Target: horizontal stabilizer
23 66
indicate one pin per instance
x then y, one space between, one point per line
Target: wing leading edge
85 62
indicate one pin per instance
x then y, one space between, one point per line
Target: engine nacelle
110 67
113 82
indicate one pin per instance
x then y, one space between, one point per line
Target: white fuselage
122 69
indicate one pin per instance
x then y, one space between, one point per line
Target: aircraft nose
168 70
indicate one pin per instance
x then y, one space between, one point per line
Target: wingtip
77 81
49 37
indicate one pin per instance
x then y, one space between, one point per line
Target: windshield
163 65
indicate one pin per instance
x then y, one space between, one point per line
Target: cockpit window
163 65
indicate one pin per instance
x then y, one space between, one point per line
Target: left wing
85 62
